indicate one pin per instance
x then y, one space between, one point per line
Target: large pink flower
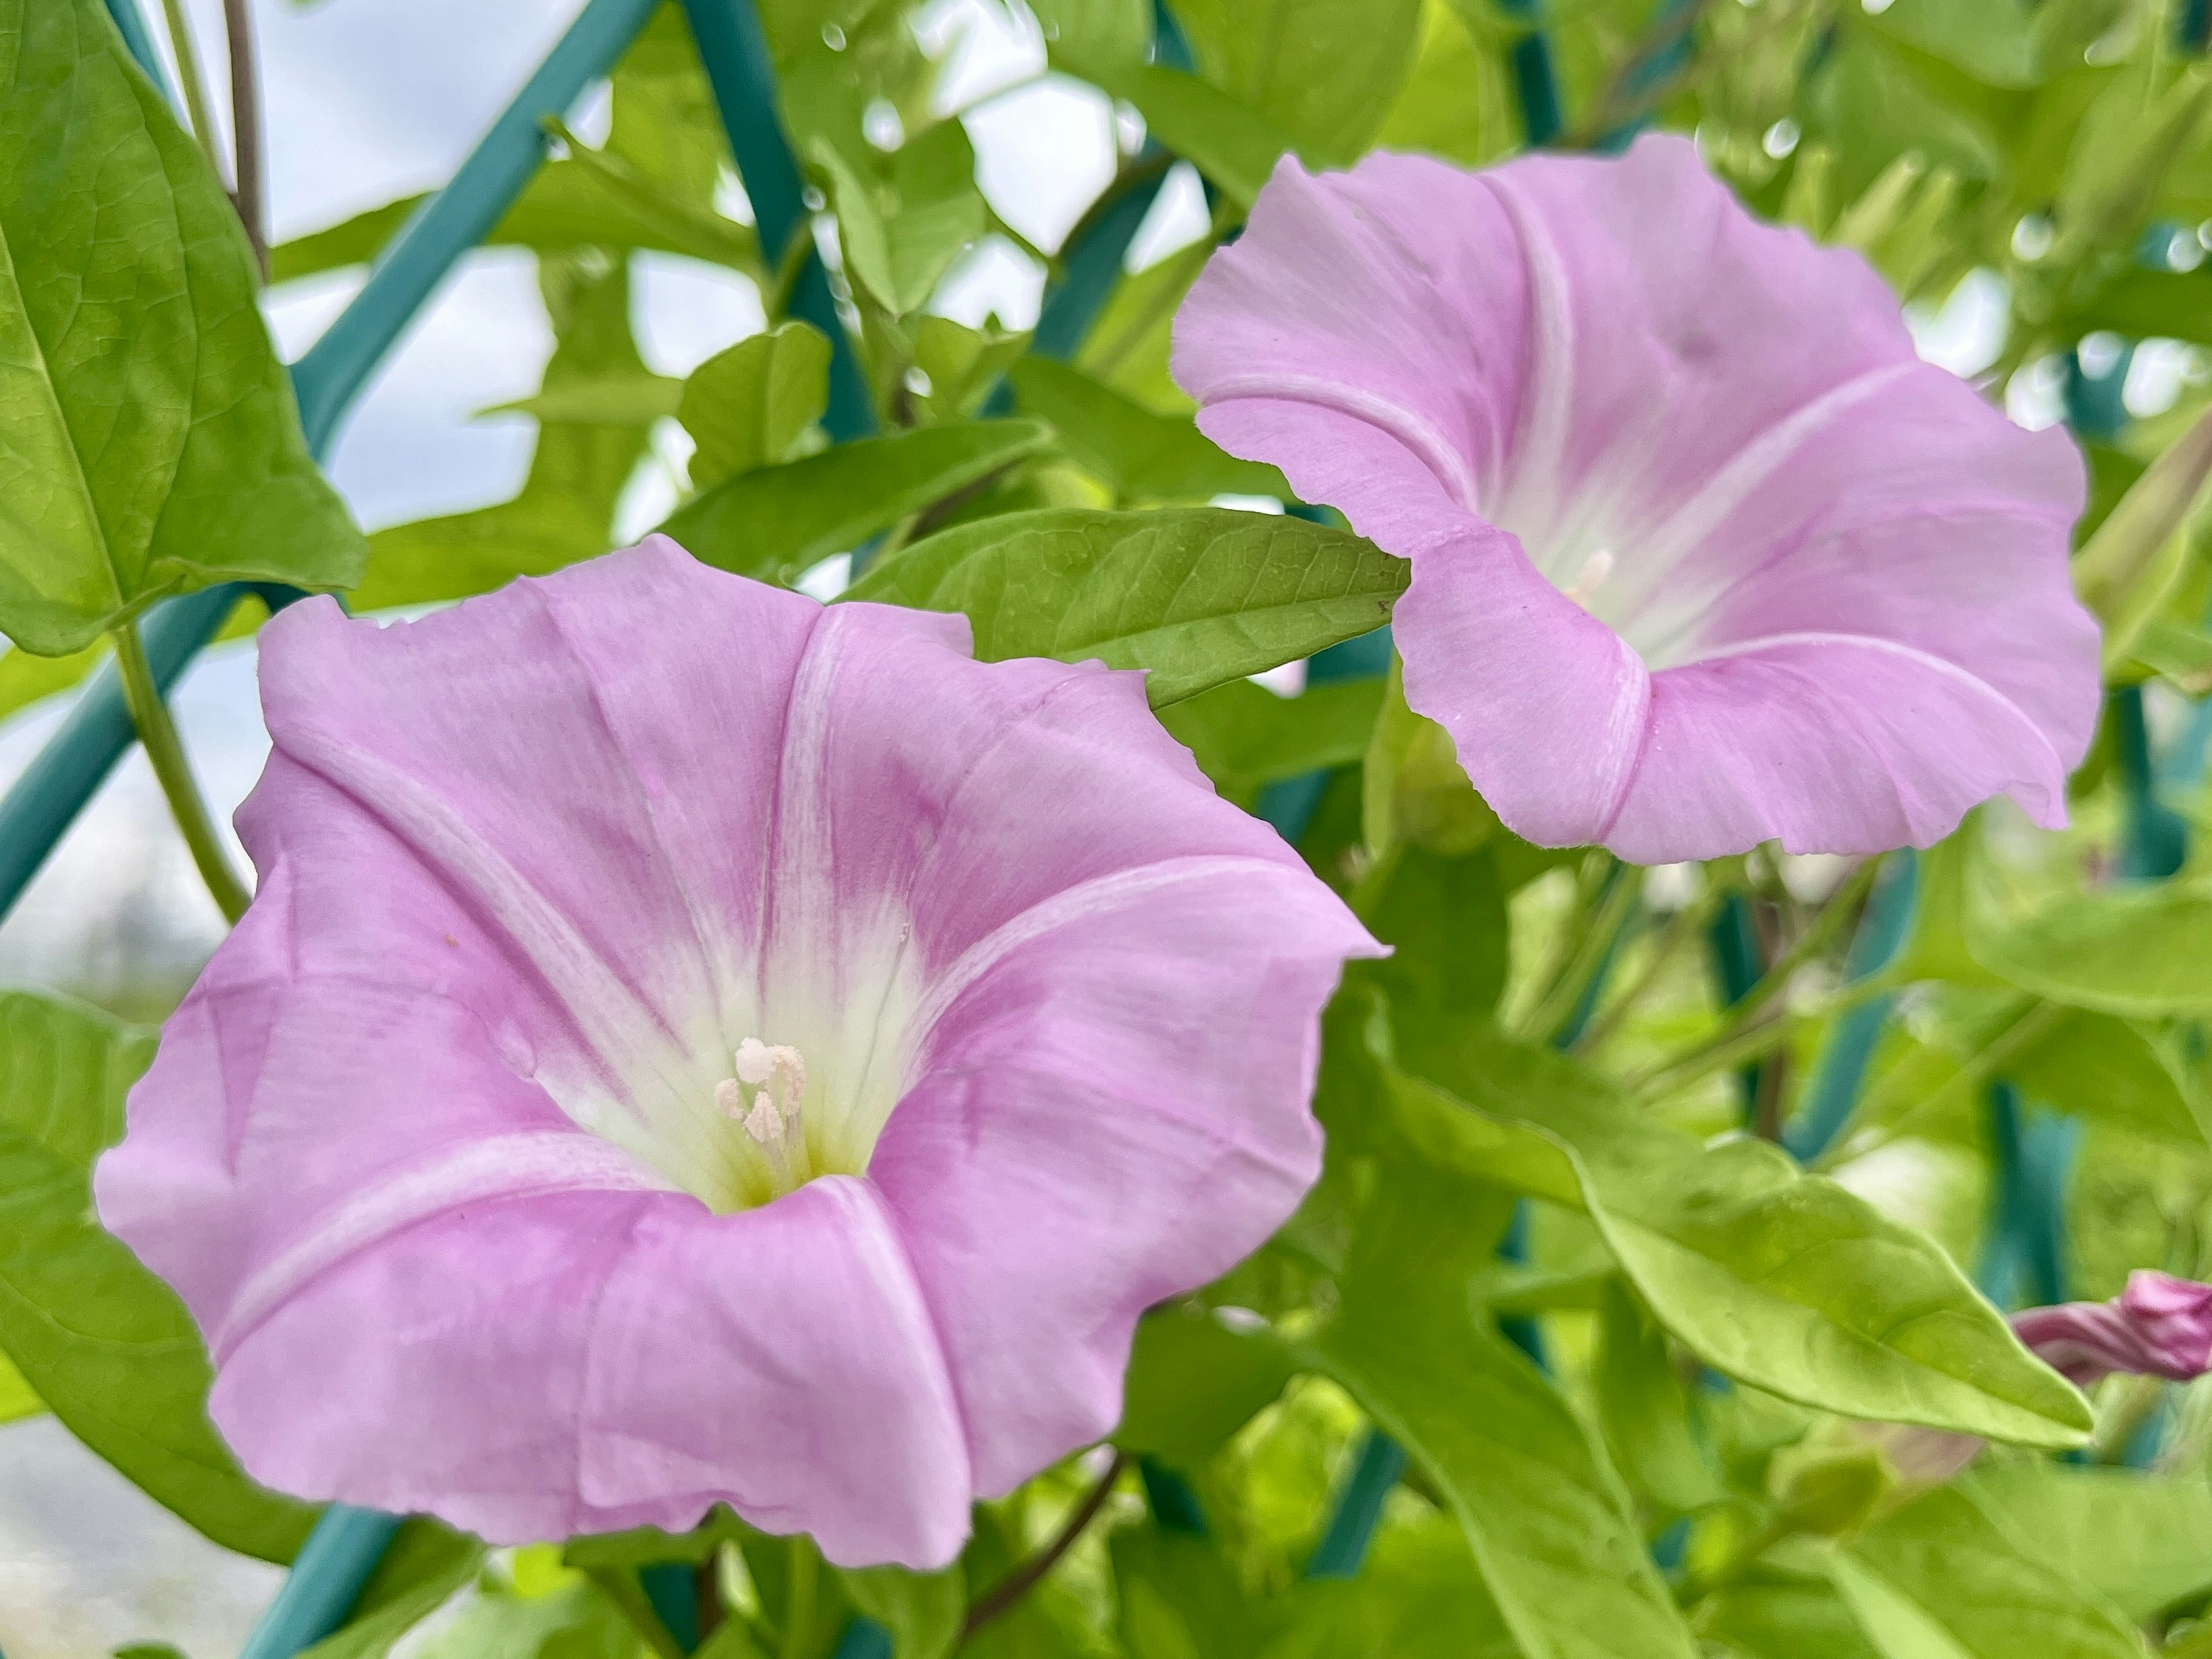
691 1045
1703 555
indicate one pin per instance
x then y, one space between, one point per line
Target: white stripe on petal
525 1166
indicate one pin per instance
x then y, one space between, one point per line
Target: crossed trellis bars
346 1544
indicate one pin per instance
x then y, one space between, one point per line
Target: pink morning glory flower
1703 555
2159 1326
690 1045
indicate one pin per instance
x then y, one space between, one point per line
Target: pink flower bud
2160 1326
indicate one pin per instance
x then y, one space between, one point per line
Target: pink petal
2159 1326
1717 437
425 1149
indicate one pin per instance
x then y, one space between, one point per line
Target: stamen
1596 571
754 1061
730 1098
764 1123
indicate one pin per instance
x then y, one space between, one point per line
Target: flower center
767 1099
1596 571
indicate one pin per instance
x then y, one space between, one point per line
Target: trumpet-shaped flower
1703 555
2158 1326
688 1045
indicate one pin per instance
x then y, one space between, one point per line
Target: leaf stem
157 733
1687 923
248 169
188 72
1024 1578
1606 914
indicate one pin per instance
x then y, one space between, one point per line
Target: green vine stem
157 733
188 72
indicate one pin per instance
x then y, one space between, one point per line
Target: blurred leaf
1549 1522
1458 103
107 1345
2139 303
754 404
1940 1579
1243 736
1770 1615
1872 105
1178 1598
1325 71
1194 1381
617 400
1992 40
775 522
1414 791
1780 1278
1235 146
2181 653
1444 918
1644 1410
1199 596
1139 455
153 443
422 1566
2142 1541
1419 1596
17 1397
923 1611
905 218
565 510
640 1547
2136 951
961 364
576 1621
2125 570
2127 142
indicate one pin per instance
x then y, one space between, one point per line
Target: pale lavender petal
1707 441
438 1150
2159 1326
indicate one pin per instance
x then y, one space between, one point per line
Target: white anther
1596 571
764 1123
754 1061
730 1098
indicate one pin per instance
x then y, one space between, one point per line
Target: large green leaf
565 509
1773 1615
1419 1596
1141 456
1194 1381
17 1397
775 521
1940 1579
1781 1278
1548 1521
1235 146
152 441
1199 596
107 1345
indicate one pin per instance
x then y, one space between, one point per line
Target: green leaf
1419 1596
1547 1520
1243 736
1139 455
1444 921
1199 596
754 404
1179 1599
422 1566
612 400
905 218
1940 1579
1992 40
775 522
576 1621
1194 1381
1234 145
923 1611
2141 303
2142 1541
1325 71
17 1397
961 364
152 439
1771 1616
2180 653
1643 1409
1783 1280
565 509
107 1345
2138 951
